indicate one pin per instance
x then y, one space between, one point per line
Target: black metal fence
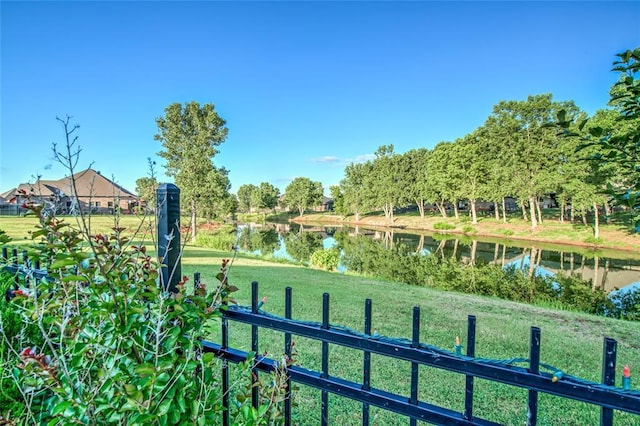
604 394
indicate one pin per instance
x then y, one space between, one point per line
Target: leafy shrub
221 239
592 240
443 226
13 333
467 229
326 259
116 348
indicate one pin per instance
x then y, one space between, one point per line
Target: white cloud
330 159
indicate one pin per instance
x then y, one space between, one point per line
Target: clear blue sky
305 87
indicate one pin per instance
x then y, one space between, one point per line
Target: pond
293 242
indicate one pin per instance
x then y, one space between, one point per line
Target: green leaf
60 407
61 263
164 407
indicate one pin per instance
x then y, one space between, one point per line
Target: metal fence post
168 211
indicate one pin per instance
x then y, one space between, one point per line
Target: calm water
297 243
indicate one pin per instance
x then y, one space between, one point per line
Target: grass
570 341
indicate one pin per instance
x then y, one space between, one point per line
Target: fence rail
531 378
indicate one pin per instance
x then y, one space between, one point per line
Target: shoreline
612 237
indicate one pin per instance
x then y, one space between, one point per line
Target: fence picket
325 359
366 368
534 368
610 347
471 352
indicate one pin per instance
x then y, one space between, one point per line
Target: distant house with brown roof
93 192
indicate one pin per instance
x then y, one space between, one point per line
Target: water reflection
298 242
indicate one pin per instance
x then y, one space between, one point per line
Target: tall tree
302 193
438 187
215 200
533 146
190 135
385 180
355 198
269 196
246 197
417 176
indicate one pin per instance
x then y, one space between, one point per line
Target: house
92 192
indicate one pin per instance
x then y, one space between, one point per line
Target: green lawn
571 341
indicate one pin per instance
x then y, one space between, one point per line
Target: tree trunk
596 221
474 215
357 216
496 210
607 211
455 210
539 210
524 211
504 209
420 204
563 206
440 206
583 212
532 208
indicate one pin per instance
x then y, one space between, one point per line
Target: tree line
525 150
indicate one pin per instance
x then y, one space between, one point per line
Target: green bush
443 226
326 259
221 239
468 229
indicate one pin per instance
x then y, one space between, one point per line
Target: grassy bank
616 236
571 342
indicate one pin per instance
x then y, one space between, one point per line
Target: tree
146 190
190 136
302 193
214 199
618 144
532 146
355 198
437 188
385 181
269 196
417 177
246 196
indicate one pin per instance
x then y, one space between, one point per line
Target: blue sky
305 87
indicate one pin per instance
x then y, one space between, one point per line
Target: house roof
89 183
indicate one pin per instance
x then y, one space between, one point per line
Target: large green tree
417 176
190 135
302 193
352 196
246 197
